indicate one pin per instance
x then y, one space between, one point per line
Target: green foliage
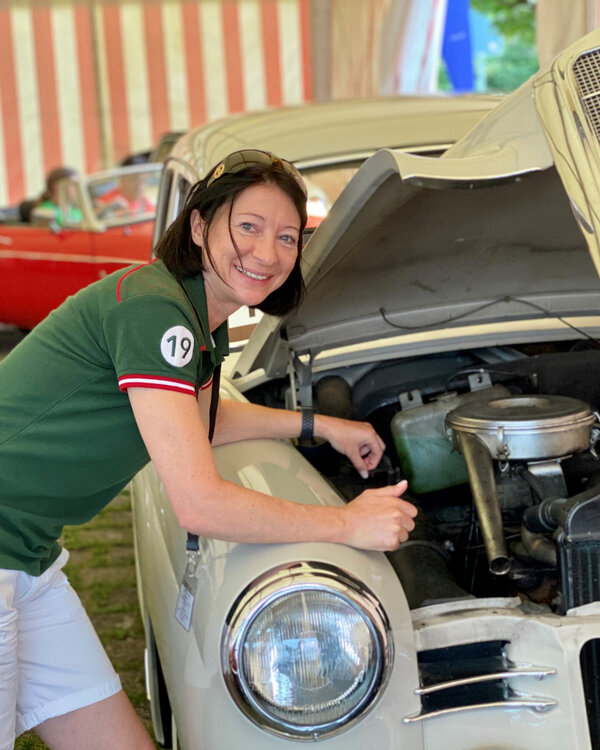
443 79
514 19
509 70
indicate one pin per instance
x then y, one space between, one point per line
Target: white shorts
51 660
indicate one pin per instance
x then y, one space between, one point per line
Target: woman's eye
246 226
289 239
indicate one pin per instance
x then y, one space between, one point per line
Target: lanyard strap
192 539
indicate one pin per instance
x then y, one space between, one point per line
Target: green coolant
427 457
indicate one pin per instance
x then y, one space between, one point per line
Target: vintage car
42 263
455 304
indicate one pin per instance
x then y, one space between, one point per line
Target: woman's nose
265 249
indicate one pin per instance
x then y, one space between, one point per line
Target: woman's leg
68 690
110 723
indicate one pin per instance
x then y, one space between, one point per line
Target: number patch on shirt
177 346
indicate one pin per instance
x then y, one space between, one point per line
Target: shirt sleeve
153 343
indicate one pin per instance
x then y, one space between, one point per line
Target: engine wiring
492 303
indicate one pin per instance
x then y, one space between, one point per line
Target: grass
101 569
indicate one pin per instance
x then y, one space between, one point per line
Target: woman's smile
253 275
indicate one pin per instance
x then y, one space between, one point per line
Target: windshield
126 195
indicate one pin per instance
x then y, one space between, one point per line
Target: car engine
498 447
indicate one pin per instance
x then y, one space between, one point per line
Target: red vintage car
108 224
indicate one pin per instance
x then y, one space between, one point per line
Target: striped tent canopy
86 83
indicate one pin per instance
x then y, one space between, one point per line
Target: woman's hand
379 519
356 440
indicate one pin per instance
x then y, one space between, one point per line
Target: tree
514 19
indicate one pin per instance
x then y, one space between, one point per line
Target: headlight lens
307 651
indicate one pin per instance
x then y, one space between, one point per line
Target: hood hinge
299 392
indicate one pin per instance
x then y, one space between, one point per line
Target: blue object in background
457 51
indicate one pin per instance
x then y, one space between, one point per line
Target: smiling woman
128 369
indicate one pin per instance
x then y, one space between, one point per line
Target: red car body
40 268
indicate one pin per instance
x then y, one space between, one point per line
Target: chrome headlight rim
280 582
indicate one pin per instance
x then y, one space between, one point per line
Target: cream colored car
454 303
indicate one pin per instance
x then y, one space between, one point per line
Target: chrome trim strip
539 672
536 704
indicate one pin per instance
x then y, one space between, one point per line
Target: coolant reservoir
428 460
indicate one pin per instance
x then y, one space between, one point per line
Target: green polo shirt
68 439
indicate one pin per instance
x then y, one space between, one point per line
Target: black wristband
308 424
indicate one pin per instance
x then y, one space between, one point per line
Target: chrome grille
587 74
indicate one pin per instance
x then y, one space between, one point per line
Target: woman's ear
197 226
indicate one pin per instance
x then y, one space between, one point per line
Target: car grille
473 676
579 551
587 74
579 562
589 659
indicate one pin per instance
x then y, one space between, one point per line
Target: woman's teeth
257 276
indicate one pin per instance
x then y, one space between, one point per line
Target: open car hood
502 229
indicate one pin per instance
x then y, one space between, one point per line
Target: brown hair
56 174
183 257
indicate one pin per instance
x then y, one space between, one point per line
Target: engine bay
497 445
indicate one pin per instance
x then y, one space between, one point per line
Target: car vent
474 676
589 659
587 75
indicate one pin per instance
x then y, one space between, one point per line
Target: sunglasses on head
239 160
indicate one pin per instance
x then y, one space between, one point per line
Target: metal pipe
538 546
485 496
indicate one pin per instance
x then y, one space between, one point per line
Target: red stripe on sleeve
206 385
158 382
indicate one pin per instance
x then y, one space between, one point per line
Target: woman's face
265 226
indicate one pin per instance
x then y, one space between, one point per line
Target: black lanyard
192 539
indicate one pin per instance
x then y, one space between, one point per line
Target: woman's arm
242 421
206 504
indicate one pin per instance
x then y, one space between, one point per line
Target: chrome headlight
306 650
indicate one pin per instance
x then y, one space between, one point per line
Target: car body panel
192 669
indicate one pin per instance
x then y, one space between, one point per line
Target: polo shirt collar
217 341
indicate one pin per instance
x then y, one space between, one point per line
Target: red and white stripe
86 84
149 381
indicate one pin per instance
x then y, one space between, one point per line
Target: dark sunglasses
239 160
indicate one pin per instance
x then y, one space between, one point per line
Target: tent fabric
85 84
559 24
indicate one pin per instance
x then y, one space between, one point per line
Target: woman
121 373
